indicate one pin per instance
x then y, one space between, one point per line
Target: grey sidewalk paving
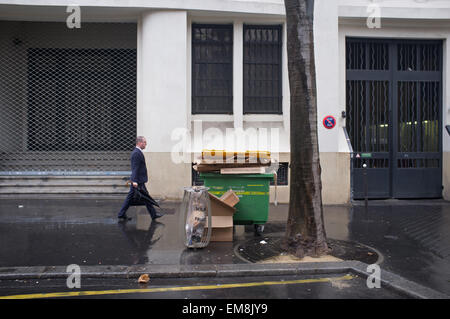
49 234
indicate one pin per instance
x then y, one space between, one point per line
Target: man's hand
135 185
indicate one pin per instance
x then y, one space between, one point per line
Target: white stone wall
164 70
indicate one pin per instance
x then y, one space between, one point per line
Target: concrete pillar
161 105
334 155
238 73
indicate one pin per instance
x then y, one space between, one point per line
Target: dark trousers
126 204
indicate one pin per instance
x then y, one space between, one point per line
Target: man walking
138 179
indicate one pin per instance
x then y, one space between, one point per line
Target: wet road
338 286
413 237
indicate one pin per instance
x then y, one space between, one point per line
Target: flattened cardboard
242 170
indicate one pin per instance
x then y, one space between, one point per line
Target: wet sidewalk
411 238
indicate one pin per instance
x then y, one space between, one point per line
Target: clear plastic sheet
197 216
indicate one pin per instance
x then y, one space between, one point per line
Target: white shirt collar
140 149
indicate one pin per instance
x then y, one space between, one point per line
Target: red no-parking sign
329 122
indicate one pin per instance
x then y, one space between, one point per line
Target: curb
388 280
399 284
175 271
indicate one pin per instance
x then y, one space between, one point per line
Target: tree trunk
305 233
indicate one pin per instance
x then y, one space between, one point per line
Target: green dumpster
252 190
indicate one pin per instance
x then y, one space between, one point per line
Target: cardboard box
230 198
222 220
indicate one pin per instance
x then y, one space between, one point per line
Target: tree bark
305 233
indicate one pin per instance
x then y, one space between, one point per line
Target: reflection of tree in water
140 241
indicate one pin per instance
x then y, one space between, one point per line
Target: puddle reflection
141 237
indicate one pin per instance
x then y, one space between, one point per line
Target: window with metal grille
212 69
262 70
282 175
370 55
67 97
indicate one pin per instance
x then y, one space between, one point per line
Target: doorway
394 103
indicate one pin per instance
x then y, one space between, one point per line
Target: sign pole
366 188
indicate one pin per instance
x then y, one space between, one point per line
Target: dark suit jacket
138 167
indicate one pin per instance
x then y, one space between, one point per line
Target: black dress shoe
157 215
124 218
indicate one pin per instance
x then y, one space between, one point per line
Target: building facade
192 75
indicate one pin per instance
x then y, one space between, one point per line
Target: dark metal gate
394 102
